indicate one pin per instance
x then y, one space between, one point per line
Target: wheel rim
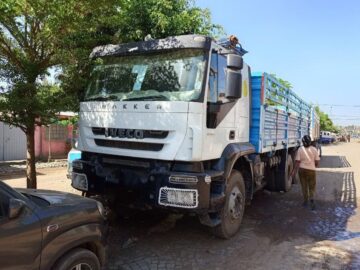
235 205
81 266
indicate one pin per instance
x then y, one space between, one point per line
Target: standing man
306 161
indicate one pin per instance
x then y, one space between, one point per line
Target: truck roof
169 43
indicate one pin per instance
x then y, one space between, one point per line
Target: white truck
181 123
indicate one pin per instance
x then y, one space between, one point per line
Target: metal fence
12 143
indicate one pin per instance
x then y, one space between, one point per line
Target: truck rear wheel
284 180
271 179
232 213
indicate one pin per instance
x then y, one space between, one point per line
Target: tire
233 211
76 257
284 180
270 175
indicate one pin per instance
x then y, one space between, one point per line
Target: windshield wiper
102 98
154 97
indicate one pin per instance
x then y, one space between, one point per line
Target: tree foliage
38 35
161 18
133 21
326 123
283 82
34 37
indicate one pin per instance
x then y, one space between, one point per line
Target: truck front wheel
232 213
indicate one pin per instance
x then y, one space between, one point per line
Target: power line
338 105
354 119
346 115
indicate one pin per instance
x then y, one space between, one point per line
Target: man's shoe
305 204
312 205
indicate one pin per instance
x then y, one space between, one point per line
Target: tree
133 22
283 82
162 18
37 35
325 122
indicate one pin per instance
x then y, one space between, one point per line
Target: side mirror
233 76
15 208
233 84
234 61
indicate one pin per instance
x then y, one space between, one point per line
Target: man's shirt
307 157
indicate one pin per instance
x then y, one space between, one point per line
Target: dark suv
50 230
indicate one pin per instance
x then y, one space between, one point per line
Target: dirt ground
47 178
277 232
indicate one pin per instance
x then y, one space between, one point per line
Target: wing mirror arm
15 208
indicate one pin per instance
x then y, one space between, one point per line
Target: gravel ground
277 233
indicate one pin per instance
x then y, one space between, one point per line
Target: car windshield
168 76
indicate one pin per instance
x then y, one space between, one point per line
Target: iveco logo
124 133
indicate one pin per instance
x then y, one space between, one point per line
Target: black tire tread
281 179
75 256
235 177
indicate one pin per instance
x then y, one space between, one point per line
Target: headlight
175 197
79 181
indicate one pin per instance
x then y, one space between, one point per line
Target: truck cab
165 100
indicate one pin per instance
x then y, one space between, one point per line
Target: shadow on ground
334 162
274 225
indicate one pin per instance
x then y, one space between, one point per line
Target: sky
313 44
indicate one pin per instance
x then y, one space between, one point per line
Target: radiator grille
129 145
153 134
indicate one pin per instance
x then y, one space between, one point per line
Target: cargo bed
279 118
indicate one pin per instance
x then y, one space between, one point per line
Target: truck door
20 237
220 116
227 121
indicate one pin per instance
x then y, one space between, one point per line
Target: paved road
277 233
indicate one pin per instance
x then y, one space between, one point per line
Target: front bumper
153 187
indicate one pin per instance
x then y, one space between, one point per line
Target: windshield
169 76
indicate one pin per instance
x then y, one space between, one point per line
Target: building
12 143
53 141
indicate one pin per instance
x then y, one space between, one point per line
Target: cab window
222 64
217 77
213 79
